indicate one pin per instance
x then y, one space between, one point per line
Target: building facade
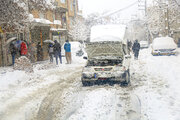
47 24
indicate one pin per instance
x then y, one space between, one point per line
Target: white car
164 46
144 44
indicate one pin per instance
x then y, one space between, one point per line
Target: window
41 15
71 7
54 18
63 1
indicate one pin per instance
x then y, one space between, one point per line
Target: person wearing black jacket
136 48
13 52
57 52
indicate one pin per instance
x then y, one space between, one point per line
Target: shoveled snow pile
23 63
164 43
107 33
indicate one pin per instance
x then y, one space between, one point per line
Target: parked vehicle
108 61
144 44
164 46
76 48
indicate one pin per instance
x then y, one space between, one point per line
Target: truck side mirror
85 58
127 56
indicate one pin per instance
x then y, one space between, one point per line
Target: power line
177 2
122 9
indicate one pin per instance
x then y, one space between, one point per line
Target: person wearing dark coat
39 52
136 48
13 52
51 52
57 52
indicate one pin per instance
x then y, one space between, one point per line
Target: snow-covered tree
12 14
161 13
15 13
78 30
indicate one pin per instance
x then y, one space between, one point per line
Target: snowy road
56 93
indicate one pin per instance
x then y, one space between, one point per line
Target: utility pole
143 7
166 20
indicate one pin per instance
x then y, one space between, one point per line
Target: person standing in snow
23 48
32 51
136 48
51 52
39 52
57 52
67 48
13 52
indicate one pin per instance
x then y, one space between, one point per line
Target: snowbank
57 22
40 20
164 43
107 33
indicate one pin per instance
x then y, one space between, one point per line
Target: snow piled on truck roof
107 33
164 43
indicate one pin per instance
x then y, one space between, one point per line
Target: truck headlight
87 75
120 68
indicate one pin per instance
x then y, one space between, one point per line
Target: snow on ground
159 80
21 92
55 92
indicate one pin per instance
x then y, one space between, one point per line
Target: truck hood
104 49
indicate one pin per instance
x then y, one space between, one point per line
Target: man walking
67 48
136 48
57 52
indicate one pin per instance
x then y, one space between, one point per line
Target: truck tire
127 79
87 83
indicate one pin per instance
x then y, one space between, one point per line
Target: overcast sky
92 6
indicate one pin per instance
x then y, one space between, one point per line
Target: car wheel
127 79
84 83
87 83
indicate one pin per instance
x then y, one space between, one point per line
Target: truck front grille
102 69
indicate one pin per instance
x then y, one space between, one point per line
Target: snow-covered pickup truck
107 63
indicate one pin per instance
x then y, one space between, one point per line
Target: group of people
22 49
32 51
55 50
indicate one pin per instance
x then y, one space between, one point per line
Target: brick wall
35 13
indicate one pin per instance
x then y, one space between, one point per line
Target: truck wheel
85 83
127 79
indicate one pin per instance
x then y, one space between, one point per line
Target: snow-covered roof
43 21
57 22
39 20
107 33
164 43
59 29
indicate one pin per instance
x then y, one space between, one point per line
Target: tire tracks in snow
54 101
16 104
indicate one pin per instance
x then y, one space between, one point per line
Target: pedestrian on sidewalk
67 48
51 52
39 52
23 49
57 52
13 52
32 52
136 48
